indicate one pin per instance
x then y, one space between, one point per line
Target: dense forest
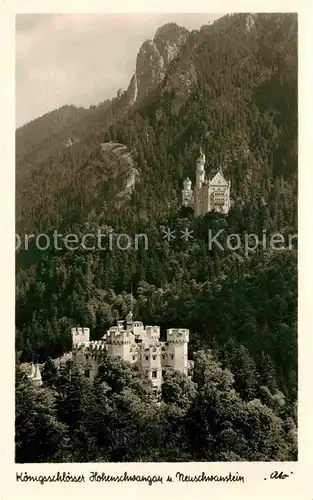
114 418
232 90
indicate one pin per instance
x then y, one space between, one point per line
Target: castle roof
219 180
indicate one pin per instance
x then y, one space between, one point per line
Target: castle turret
200 169
176 355
37 376
80 335
187 194
151 334
200 178
32 372
120 342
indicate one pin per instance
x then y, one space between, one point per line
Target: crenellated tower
119 342
177 349
80 335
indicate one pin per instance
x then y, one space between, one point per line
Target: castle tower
32 373
151 363
80 336
176 355
120 342
200 178
187 194
82 350
37 376
151 334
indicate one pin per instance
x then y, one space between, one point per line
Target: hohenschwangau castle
130 341
208 195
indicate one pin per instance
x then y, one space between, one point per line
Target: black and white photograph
156 239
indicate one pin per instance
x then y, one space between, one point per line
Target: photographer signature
278 475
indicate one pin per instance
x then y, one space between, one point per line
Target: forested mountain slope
231 89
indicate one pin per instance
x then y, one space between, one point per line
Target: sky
81 59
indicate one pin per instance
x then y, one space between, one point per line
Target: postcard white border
299 485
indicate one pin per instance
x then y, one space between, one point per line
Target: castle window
154 374
163 372
86 356
154 358
172 356
147 357
134 357
87 373
163 357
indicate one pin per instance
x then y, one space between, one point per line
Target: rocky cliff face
150 68
118 166
153 59
132 91
180 82
168 40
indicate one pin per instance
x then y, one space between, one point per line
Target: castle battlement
124 336
80 335
96 345
177 335
132 342
151 333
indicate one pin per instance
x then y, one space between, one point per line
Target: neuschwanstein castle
130 341
208 195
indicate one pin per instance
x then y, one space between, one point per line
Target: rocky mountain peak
168 39
155 55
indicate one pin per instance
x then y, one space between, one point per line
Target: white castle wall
135 345
151 363
119 344
208 194
177 340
